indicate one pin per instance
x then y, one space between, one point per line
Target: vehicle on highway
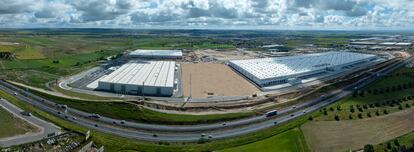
15 93
275 122
94 115
122 121
271 113
25 113
210 136
74 118
203 135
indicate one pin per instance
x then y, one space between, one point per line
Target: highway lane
178 135
46 128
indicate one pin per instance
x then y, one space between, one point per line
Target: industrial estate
216 92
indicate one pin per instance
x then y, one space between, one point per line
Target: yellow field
331 136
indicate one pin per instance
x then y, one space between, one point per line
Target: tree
325 112
396 143
336 117
332 109
310 118
407 105
400 107
385 111
389 146
338 108
350 116
360 116
368 148
369 114
377 113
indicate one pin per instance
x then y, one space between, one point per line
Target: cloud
206 13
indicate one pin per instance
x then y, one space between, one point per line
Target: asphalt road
191 133
45 127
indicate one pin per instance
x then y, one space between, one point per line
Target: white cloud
193 13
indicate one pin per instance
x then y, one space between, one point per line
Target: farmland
353 134
12 125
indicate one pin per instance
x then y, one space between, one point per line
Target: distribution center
141 78
292 69
157 54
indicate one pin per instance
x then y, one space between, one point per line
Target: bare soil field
330 136
214 79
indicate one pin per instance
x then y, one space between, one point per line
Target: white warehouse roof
157 53
149 73
266 68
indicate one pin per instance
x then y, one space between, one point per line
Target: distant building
157 54
292 69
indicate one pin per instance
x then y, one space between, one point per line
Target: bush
336 117
407 105
332 109
338 108
350 116
325 112
352 110
397 143
377 113
368 148
385 111
400 107
360 116
389 145
369 114
310 118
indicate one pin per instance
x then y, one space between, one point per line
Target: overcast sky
255 14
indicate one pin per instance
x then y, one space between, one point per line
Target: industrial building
157 54
292 69
155 78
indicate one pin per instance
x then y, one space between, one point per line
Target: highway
191 133
46 128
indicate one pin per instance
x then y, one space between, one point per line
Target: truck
271 113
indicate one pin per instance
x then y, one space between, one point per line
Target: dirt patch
213 80
330 136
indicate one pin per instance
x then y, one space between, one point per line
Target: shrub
369 114
407 105
385 111
350 116
310 118
336 117
332 109
397 143
400 107
368 148
377 113
360 116
325 112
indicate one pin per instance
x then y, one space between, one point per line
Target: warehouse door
112 87
158 91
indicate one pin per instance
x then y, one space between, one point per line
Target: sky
214 14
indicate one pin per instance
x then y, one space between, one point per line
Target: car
271 113
59 112
96 125
154 135
66 117
114 122
122 121
203 135
224 124
304 111
294 107
292 115
15 93
210 136
74 118
275 122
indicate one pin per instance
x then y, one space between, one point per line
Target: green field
374 104
131 112
289 141
12 125
406 140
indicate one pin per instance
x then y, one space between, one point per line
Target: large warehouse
141 78
292 69
157 54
